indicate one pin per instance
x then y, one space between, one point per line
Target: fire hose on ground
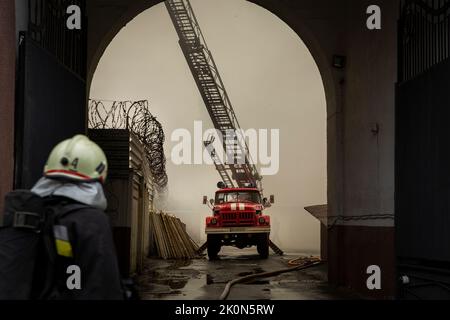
297 264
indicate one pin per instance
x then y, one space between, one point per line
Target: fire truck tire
213 247
263 246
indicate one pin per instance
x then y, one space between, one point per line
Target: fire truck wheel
263 246
213 247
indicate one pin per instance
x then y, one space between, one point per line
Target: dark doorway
423 150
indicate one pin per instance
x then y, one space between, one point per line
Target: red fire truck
238 220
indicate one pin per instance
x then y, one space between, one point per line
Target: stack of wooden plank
169 239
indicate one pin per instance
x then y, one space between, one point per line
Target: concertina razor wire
135 117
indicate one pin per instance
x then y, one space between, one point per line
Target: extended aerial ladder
217 102
206 75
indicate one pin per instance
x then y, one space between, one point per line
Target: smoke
161 200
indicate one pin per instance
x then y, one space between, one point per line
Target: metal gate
51 91
423 150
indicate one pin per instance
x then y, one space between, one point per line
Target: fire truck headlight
213 221
262 220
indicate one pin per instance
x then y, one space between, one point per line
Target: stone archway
321 38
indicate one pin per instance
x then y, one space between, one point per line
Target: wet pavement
205 280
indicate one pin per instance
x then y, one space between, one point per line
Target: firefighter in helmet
74 174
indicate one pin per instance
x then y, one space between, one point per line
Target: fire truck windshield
241 196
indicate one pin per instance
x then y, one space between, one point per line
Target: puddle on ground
179 283
172 281
179 263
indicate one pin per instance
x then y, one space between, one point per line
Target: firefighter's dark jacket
94 253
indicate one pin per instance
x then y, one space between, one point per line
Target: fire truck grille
246 216
238 219
229 216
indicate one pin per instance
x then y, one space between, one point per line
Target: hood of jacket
89 193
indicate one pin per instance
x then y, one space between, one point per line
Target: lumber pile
169 239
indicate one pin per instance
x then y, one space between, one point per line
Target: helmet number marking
100 168
75 163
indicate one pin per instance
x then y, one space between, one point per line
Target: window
239 196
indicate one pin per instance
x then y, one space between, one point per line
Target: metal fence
424 36
47 25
